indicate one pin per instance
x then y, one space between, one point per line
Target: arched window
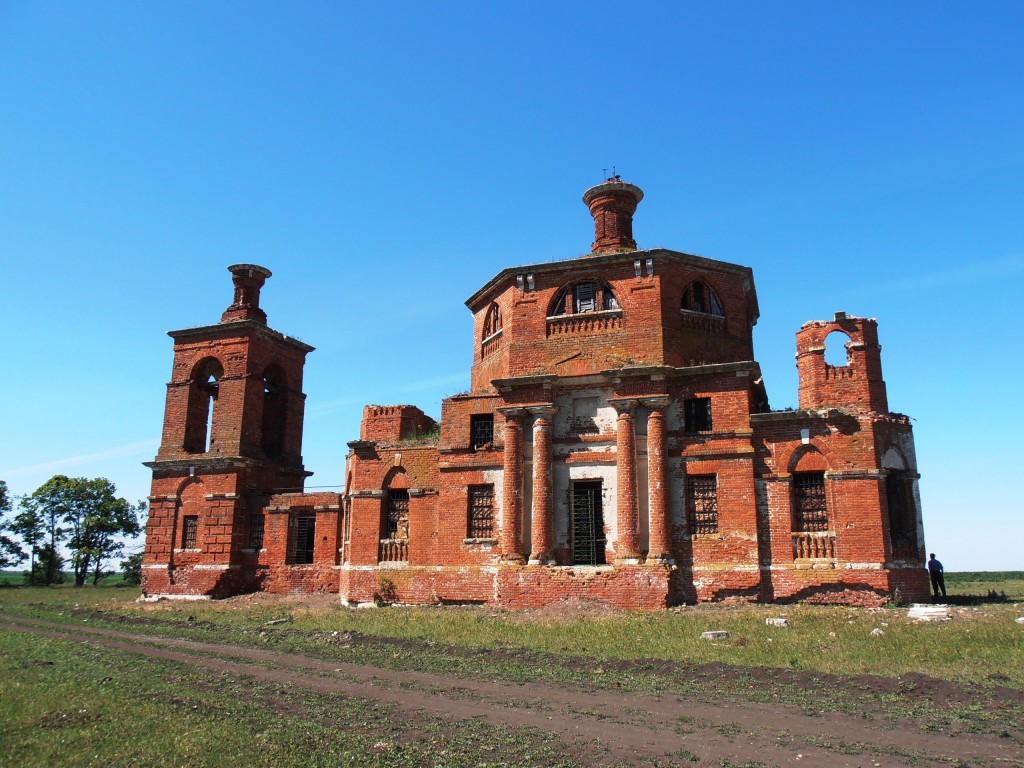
701 297
200 419
275 411
836 353
584 297
492 323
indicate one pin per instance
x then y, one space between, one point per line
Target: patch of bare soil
612 727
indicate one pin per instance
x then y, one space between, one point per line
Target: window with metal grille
481 430
396 515
190 532
697 415
301 538
256 530
702 504
810 510
481 511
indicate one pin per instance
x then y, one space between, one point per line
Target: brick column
511 534
627 549
660 548
543 508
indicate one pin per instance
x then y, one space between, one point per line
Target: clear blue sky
387 159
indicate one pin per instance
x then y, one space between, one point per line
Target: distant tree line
83 515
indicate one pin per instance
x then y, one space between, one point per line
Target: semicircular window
701 297
492 323
588 296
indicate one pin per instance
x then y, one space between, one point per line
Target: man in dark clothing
935 571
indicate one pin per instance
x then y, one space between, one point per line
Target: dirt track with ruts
632 728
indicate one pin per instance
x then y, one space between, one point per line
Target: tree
38 520
91 516
48 567
10 552
131 567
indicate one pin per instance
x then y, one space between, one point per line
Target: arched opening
813 537
899 495
701 297
584 297
492 323
836 352
275 411
201 415
394 528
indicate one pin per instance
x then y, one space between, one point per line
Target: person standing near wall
935 570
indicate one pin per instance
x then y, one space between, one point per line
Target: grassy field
61 697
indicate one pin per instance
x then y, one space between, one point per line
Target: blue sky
385 160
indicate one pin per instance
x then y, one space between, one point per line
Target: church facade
616 444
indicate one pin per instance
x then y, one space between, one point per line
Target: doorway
587 524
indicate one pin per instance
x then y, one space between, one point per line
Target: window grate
396 518
481 429
810 510
697 415
481 511
190 532
702 504
256 530
301 539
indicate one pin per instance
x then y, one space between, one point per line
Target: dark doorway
587 524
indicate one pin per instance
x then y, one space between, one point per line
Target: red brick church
616 444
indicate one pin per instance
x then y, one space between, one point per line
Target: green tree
131 567
10 552
32 523
48 566
88 514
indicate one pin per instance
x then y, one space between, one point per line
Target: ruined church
616 444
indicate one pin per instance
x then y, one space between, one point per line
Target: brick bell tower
232 435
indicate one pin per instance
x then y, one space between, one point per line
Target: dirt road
629 728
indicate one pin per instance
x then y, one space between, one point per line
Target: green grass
982 583
68 704
979 643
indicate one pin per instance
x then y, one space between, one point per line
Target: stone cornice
237 328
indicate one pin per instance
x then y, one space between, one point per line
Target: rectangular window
396 515
481 511
810 511
190 532
256 530
697 415
702 504
481 430
301 538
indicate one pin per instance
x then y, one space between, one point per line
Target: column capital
512 413
623 404
657 403
543 411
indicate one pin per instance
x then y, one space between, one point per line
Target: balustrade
814 546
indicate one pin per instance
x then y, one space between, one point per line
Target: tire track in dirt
635 728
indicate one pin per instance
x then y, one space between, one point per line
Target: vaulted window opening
810 509
492 323
275 411
701 297
201 414
583 298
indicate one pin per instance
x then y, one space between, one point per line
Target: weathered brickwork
616 445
